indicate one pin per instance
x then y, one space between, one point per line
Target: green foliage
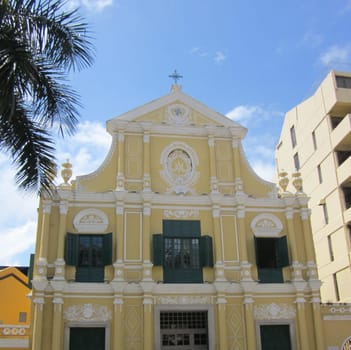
40 43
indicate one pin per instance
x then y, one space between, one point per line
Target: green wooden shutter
282 255
107 249
206 251
30 270
157 249
181 228
71 249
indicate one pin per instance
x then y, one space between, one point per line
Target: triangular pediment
175 109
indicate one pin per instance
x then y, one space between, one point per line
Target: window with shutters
271 257
182 251
89 253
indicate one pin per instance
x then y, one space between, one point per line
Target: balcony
341 135
344 171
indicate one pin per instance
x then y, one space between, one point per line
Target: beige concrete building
175 243
316 140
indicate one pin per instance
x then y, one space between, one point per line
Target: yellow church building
175 243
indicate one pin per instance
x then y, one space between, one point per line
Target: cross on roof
175 76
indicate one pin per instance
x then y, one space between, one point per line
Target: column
301 316
120 162
44 240
147 265
57 323
296 266
244 264
250 323
119 239
219 266
60 262
236 165
307 233
148 323
117 334
213 173
37 322
222 322
317 323
147 178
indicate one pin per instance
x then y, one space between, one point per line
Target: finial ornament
175 76
66 173
284 180
297 182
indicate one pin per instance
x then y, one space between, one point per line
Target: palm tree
40 43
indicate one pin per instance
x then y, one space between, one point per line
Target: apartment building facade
316 141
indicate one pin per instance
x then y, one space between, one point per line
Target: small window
325 213
343 82
314 140
271 257
336 287
335 121
319 171
22 317
347 196
90 254
330 247
296 161
293 136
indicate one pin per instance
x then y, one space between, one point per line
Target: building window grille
325 213
22 317
330 247
319 171
296 161
293 136
336 287
182 251
343 82
89 253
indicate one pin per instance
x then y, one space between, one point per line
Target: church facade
175 243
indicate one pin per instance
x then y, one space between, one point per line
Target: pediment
175 109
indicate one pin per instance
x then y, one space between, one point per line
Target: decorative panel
133 327
134 157
133 236
235 327
230 244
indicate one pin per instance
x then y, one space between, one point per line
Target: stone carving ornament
87 312
179 163
178 114
90 220
266 225
274 311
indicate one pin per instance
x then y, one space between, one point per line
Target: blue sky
251 60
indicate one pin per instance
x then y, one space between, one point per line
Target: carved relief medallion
178 114
179 167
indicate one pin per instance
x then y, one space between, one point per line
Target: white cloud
91 5
335 54
16 240
245 113
86 151
266 170
219 57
